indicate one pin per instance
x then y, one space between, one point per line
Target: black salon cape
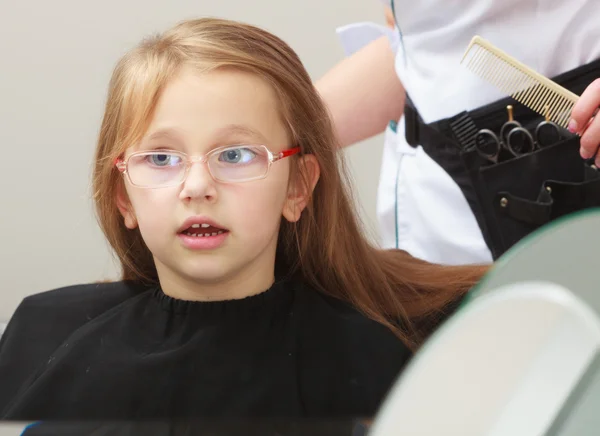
116 351
200 428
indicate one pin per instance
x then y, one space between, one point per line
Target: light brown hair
326 247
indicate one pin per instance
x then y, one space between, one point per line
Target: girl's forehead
226 131
218 88
220 104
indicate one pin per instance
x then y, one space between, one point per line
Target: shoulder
368 344
52 315
43 321
341 319
95 297
349 353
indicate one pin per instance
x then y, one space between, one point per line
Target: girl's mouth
203 231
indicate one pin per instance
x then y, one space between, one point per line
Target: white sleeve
357 35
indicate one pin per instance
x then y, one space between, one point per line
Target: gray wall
56 59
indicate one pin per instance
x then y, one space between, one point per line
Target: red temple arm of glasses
290 152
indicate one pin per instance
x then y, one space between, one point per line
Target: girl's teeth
197 226
201 235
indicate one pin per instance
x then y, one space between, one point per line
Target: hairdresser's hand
585 123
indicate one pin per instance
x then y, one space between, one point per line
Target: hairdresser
445 194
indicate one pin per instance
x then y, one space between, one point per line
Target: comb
516 79
464 129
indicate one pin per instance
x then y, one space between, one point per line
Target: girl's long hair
326 248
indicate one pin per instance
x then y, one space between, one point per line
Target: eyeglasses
231 164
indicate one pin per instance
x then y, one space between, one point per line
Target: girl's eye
237 155
163 159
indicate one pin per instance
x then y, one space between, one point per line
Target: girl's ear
301 187
126 208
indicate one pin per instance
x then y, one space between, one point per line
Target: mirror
522 354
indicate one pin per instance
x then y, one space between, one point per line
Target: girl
248 288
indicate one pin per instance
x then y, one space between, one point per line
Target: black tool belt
514 195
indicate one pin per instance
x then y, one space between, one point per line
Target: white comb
525 85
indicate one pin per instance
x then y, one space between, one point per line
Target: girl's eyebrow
242 130
221 134
166 133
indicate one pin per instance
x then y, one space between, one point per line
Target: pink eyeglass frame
121 163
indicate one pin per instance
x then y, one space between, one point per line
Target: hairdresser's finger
590 139
585 107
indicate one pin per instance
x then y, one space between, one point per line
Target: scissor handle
520 141
547 133
488 144
506 128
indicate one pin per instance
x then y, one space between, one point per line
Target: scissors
509 125
547 133
515 139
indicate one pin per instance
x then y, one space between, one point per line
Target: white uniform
420 208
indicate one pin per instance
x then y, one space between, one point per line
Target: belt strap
461 128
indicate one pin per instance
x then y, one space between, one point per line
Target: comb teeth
525 85
464 130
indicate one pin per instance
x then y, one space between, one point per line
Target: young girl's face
196 114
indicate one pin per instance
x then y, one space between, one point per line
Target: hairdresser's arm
363 92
